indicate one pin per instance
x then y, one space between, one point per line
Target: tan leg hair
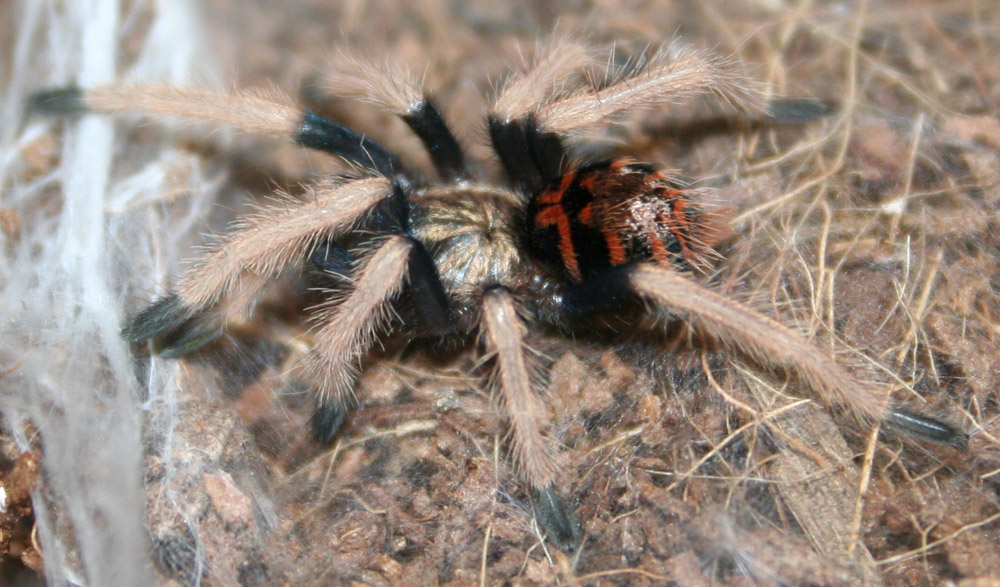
348 327
278 236
503 331
258 111
388 86
241 298
523 93
765 339
670 75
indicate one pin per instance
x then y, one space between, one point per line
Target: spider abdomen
614 213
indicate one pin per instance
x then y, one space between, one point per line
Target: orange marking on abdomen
555 196
616 250
679 227
554 215
660 252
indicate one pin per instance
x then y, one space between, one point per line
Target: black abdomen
613 213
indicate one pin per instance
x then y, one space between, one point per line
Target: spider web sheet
83 229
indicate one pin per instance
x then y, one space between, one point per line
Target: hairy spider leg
769 341
257 111
183 320
237 270
431 312
346 326
515 378
525 127
668 75
393 88
532 156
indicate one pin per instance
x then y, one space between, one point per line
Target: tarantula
460 258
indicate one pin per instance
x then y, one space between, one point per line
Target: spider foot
326 421
557 518
162 316
58 101
930 429
798 110
183 331
189 337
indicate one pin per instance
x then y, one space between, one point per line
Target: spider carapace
464 256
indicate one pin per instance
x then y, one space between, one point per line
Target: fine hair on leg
240 267
265 111
394 88
258 110
280 235
514 379
558 61
765 339
671 74
347 324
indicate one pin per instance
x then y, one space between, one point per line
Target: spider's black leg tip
58 101
190 336
557 518
927 428
798 110
161 316
181 329
326 421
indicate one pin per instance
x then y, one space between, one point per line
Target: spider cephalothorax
463 258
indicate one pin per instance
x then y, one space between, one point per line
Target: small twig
938 542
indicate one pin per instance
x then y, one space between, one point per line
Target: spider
466 259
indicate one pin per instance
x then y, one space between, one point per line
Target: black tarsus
189 337
160 317
926 428
58 101
180 329
446 154
557 518
797 110
321 134
327 420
